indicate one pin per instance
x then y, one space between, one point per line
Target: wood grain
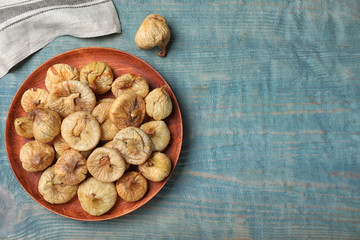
269 94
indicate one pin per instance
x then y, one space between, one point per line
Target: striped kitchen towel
28 25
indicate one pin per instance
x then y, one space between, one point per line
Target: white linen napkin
28 25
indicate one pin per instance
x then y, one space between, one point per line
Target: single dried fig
24 127
153 32
158 104
132 186
130 82
134 145
81 131
156 168
36 156
159 134
58 73
34 98
46 124
97 197
127 110
98 76
54 191
70 96
70 168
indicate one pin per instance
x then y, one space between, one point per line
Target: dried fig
156 168
36 156
59 73
134 145
52 190
158 104
132 186
70 168
97 197
34 98
130 82
70 96
153 32
106 164
46 124
98 76
159 134
81 131
127 110
24 127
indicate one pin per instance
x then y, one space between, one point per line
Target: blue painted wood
269 92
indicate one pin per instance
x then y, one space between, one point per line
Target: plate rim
8 123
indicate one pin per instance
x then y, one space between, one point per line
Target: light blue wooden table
270 97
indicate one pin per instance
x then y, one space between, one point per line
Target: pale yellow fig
70 168
97 197
158 104
106 164
61 146
54 191
130 82
132 186
81 131
34 98
101 113
134 145
127 110
156 168
36 156
153 32
98 76
70 96
159 134
24 127
59 73
46 124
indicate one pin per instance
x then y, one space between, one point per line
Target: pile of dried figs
97 150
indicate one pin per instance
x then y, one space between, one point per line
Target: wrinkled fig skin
52 190
70 168
46 124
156 168
133 144
61 146
101 113
59 73
96 197
34 98
98 76
81 131
106 164
130 82
132 186
127 110
153 32
36 156
159 134
158 104
24 127
70 96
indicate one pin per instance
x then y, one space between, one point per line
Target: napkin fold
28 25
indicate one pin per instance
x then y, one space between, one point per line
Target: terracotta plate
120 62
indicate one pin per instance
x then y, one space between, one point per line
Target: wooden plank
269 93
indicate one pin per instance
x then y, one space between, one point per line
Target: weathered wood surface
269 93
